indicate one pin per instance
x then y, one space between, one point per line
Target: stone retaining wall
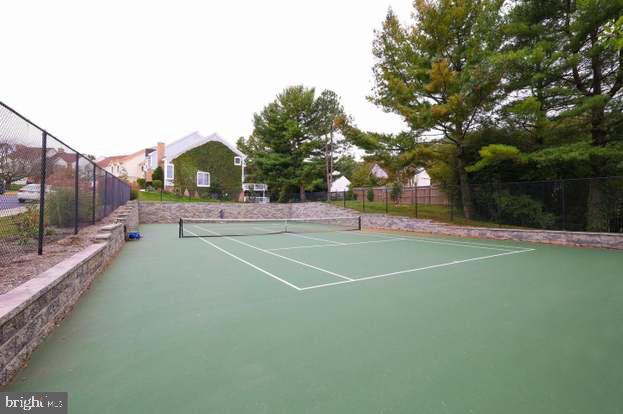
32 310
170 212
128 215
566 238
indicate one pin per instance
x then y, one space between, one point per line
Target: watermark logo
33 402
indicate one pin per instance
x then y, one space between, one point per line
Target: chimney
160 150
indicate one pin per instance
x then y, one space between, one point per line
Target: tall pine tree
440 72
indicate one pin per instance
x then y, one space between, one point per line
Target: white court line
247 263
313 246
446 242
335 243
280 256
361 279
347 280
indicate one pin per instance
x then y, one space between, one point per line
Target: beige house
139 164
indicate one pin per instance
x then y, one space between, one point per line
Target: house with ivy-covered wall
205 166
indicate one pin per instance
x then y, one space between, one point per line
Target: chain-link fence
588 204
591 204
47 189
429 202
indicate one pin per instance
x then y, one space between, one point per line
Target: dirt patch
21 268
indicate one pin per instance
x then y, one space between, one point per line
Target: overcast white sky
111 77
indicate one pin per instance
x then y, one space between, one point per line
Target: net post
359 223
386 201
180 228
44 144
344 196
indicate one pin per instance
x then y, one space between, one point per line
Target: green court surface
341 322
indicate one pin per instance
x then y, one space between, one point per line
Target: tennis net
212 227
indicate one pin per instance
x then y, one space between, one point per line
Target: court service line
452 243
346 278
266 272
313 246
334 243
456 262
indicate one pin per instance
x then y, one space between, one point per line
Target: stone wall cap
110 227
102 236
15 300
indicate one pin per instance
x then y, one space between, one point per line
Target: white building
340 185
378 172
420 179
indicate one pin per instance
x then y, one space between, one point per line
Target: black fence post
416 201
93 199
563 196
498 204
344 196
451 205
364 195
386 201
105 193
44 145
76 190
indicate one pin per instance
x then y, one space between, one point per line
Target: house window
169 174
237 161
152 160
170 171
203 179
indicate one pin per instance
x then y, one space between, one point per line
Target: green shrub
59 207
133 193
524 211
141 183
283 196
370 194
157 184
157 174
395 193
27 225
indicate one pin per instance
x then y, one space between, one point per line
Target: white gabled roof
194 140
341 184
378 172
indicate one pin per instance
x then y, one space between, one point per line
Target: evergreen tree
440 73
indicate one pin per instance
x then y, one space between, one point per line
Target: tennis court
329 319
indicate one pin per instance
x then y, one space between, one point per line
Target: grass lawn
166 196
432 212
